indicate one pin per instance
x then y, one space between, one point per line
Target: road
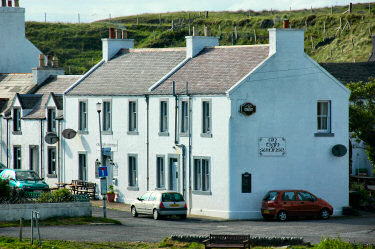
144 228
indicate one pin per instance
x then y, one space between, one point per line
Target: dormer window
16 119
51 119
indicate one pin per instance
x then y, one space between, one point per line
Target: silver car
160 204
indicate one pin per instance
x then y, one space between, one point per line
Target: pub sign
247 109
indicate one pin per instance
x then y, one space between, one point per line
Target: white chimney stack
286 41
195 44
112 46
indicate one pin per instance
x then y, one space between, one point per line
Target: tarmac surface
145 228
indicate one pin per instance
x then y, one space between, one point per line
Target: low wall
13 212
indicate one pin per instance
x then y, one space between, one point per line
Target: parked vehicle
2 167
283 204
27 180
160 204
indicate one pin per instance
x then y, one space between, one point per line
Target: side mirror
139 199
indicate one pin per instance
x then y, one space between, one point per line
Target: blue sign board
103 171
107 151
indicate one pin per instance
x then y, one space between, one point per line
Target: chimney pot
118 33
9 3
55 61
207 31
16 3
195 31
49 60
124 34
3 3
111 33
286 24
41 60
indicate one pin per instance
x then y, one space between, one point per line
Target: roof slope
130 73
215 70
351 72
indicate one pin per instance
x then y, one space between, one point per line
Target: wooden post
172 25
369 31
255 35
324 27
45 17
312 42
160 19
154 35
189 29
350 7
271 12
206 14
137 20
352 42
235 32
21 225
330 53
306 25
232 38
219 29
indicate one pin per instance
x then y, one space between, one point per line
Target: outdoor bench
227 241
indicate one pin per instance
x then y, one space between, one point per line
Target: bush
337 243
62 195
4 189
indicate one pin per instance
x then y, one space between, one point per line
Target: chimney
49 61
124 34
112 46
286 24
111 33
207 31
3 3
372 57
195 44
195 31
286 41
55 61
41 73
41 60
16 3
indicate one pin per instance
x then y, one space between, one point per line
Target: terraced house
221 125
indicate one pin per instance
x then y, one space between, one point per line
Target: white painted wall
285 90
18 55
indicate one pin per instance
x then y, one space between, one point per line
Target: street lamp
99 110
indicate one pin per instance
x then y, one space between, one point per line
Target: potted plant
111 194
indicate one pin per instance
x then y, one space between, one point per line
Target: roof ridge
241 46
157 49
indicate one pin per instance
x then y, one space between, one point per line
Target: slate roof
215 69
351 72
132 72
28 101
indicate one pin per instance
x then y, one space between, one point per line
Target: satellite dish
339 150
51 138
69 133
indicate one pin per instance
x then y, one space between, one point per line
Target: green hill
78 46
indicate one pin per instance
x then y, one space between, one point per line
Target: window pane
197 174
132 116
184 117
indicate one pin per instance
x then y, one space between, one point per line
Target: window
16 119
184 117
206 117
82 126
160 172
133 181
289 196
202 174
246 183
304 196
52 161
132 116
324 116
153 196
107 118
17 157
82 169
163 116
51 116
145 196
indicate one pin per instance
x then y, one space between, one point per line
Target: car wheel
134 212
183 216
156 214
282 216
324 214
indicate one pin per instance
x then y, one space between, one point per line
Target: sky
92 10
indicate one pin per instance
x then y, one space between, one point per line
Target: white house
221 125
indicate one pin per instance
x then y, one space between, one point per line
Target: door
307 203
173 174
34 158
289 203
107 159
82 167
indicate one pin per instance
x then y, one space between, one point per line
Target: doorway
174 173
34 158
107 159
82 167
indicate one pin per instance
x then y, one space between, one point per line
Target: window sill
206 134
184 134
160 188
83 132
107 133
17 132
133 133
199 192
321 134
132 188
51 175
163 133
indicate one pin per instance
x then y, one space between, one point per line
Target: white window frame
160 172
206 118
202 175
17 119
133 172
51 119
163 117
321 116
52 162
82 115
17 157
107 116
133 117
184 119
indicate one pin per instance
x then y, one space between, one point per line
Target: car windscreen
270 196
172 197
27 176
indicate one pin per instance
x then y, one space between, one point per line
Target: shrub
61 195
4 189
337 243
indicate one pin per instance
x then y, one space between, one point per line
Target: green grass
64 221
78 46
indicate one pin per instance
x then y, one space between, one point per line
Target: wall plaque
248 109
272 146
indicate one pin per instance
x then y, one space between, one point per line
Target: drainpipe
41 148
147 140
59 151
190 154
175 113
7 143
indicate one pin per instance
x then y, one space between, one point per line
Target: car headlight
18 184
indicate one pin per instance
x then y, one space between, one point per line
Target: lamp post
99 110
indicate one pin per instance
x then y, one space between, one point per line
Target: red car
292 203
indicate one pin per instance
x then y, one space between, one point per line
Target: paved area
144 228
